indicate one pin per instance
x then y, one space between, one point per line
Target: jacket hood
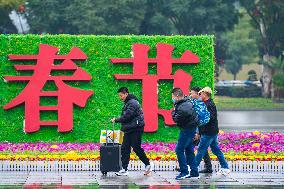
181 101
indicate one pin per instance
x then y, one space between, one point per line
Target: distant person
187 120
132 124
209 134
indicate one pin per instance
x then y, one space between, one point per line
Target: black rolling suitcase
110 156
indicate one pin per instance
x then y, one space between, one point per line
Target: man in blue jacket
132 124
187 120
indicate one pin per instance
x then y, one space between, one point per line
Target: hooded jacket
132 117
184 115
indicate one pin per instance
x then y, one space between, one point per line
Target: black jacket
211 128
132 117
184 115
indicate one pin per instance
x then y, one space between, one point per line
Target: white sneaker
148 170
122 172
188 168
224 172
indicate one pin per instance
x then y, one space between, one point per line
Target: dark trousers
133 140
206 158
185 152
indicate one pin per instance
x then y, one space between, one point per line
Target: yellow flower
94 156
221 132
256 132
54 146
153 156
55 156
256 145
71 155
132 157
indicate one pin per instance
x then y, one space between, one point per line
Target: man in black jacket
132 124
187 120
209 133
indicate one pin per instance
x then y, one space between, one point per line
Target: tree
130 16
233 65
197 17
154 21
6 6
241 45
268 18
86 16
11 3
113 17
48 17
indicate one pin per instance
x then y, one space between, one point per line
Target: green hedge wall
104 104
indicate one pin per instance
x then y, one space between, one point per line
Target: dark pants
206 158
133 140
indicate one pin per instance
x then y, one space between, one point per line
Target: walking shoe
206 171
182 176
194 176
122 172
224 172
188 168
148 170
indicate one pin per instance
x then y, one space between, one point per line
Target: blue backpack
201 110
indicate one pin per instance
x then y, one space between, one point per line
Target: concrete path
136 180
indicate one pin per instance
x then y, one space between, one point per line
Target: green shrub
278 80
104 104
239 91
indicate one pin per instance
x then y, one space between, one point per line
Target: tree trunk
235 76
267 73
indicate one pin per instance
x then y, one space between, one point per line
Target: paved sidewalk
136 179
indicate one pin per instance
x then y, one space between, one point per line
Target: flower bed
249 146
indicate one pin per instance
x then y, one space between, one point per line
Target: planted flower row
236 146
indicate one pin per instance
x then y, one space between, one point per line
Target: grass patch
228 103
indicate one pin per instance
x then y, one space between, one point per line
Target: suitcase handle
110 137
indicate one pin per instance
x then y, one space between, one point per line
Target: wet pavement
266 121
136 179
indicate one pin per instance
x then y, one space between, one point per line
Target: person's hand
113 120
197 137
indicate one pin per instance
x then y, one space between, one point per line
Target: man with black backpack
132 124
